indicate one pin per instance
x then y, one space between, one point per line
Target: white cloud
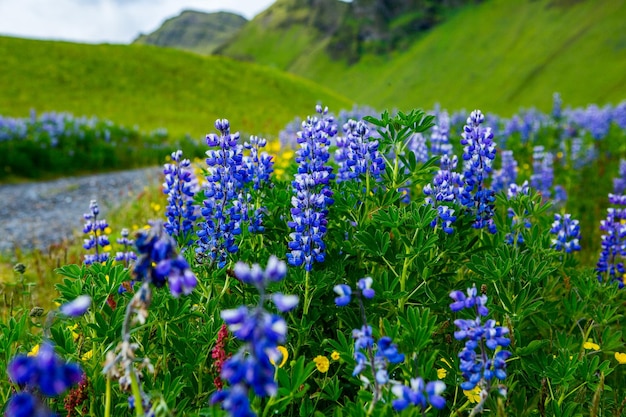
114 21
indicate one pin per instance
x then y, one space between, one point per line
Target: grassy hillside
499 56
195 31
152 87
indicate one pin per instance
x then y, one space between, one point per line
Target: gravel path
36 215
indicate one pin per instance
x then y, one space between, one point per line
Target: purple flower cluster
420 394
619 183
417 144
159 263
127 254
344 291
97 238
224 205
567 231
445 188
260 166
542 177
517 220
610 264
478 153
439 138
46 373
180 186
356 154
479 367
312 191
251 369
507 174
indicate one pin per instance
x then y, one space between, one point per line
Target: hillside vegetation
195 31
499 55
152 87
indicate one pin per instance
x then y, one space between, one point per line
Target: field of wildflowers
402 264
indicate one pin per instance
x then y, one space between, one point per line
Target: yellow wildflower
284 354
322 363
87 355
34 351
72 328
621 357
335 355
473 395
135 227
441 373
107 230
589 344
107 248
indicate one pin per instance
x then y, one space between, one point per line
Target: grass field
153 87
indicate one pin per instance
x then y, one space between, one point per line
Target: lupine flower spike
251 369
180 186
97 238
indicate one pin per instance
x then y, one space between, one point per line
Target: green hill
153 87
195 31
498 55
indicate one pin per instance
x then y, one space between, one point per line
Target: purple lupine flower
416 143
312 191
260 166
25 404
445 188
542 177
127 254
517 220
224 205
619 183
180 186
158 262
557 106
345 292
46 372
97 238
365 285
439 137
356 154
478 153
250 369
567 233
507 174
419 394
619 115
610 266
597 121
76 307
480 367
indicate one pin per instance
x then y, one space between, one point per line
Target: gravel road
37 215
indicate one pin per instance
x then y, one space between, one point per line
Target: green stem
107 398
307 300
136 394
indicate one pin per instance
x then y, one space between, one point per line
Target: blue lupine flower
417 144
260 166
479 152
357 155
76 307
46 372
97 238
507 174
517 220
610 265
567 233
542 177
619 183
224 204
344 291
180 186
127 254
481 366
439 137
445 188
250 368
419 394
619 115
159 263
24 404
557 106
365 285
313 194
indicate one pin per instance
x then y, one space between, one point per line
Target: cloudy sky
114 21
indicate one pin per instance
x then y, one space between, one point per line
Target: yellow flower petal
322 363
590 345
621 357
441 373
87 355
473 395
34 351
284 354
335 356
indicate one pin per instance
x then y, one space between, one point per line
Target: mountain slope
499 55
195 31
153 87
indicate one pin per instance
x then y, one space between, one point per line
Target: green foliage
564 325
